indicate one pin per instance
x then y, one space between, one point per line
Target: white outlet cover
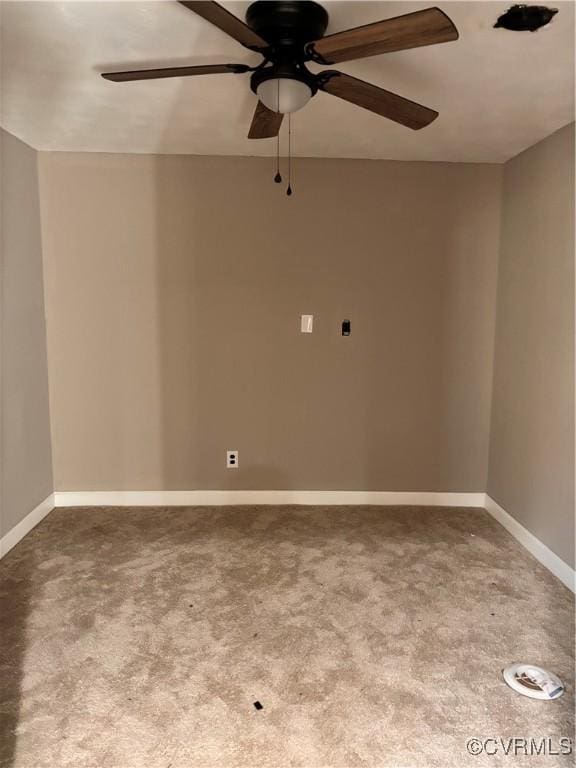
306 323
232 455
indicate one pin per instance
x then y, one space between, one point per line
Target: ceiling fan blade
412 30
227 22
265 123
369 96
153 74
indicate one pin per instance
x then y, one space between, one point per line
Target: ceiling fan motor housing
287 26
285 22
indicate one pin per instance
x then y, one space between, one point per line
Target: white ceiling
497 92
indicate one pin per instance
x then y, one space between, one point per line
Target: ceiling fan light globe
283 94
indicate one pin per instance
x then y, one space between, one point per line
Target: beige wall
532 442
174 287
25 457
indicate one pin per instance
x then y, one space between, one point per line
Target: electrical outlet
232 459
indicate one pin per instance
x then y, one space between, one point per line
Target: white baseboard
541 552
20 530
209 498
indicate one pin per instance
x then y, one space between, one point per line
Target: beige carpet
372 636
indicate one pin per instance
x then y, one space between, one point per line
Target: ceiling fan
288 34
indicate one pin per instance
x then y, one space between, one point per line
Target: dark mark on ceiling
526 18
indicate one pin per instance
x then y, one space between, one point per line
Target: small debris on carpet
257 705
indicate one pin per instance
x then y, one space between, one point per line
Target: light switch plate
306 323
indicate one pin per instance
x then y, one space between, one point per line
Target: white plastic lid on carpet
532 681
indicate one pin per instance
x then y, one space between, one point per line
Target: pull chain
289 190
278 178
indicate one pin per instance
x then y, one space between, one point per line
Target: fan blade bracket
240 69
312 55
323 77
